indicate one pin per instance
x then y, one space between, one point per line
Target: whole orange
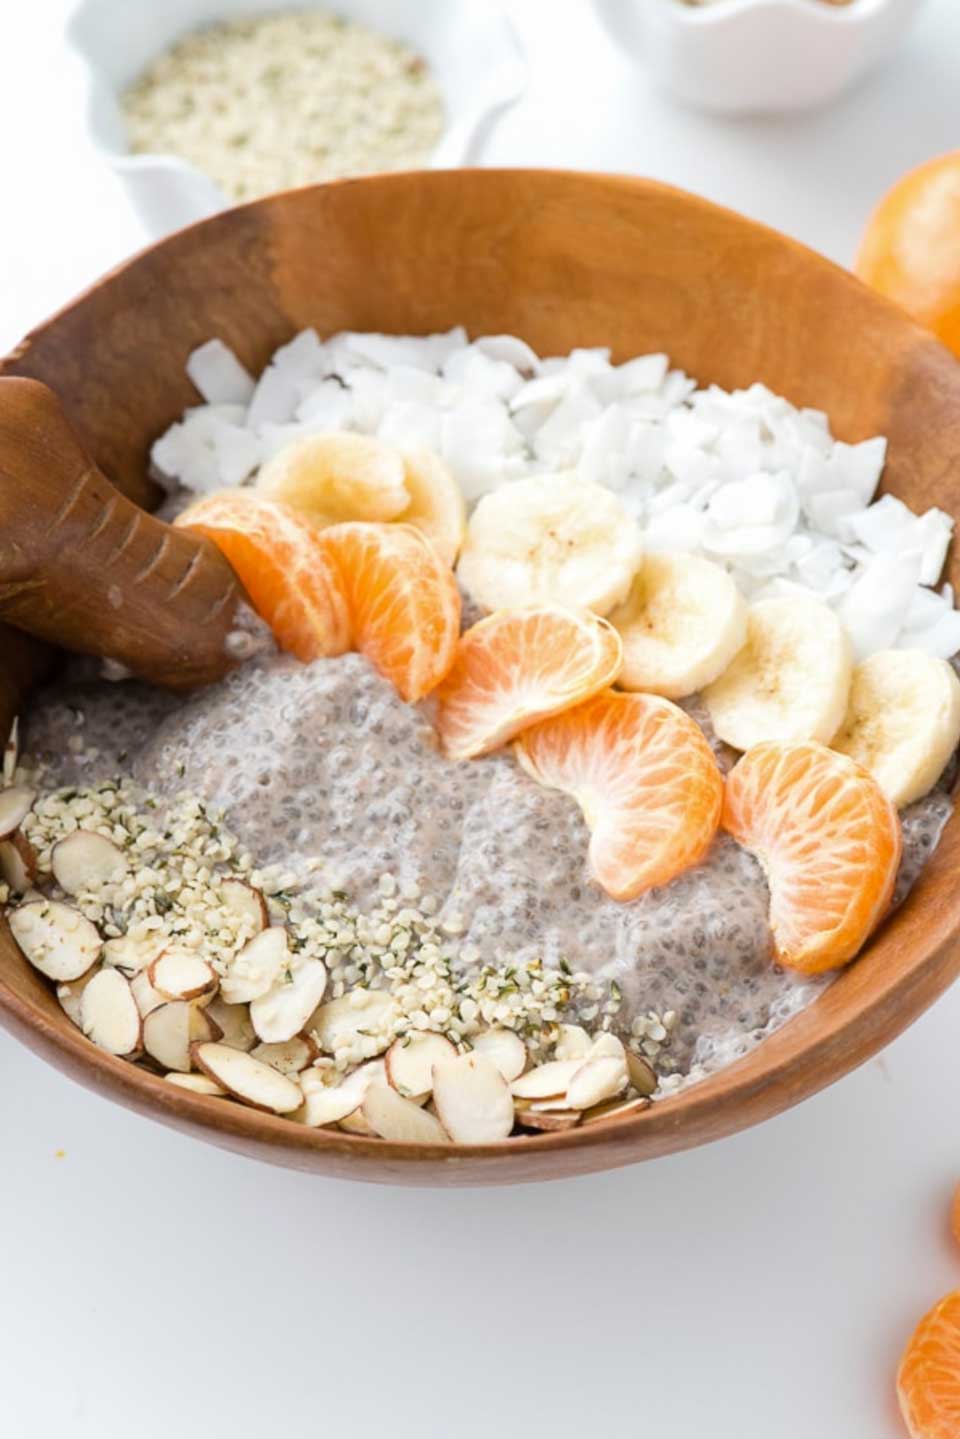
911 249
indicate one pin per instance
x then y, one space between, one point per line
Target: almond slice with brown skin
289 1056
410 1062
548 1121
504 1049
329 1103
171 1029
86 861
70 993
393 1117
55 938
615 1109
285 1009
15 804
182 974
597 1080
109 1014
246 1078
372 1011
642 1074
196 1083
358 1123
256 968
144 993
246 902
472 1099
547 1081
234 1023
19 866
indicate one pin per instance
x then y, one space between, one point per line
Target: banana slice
683 622
791 680
550 539
337 477
903 722
436 505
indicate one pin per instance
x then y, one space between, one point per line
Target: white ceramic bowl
470 47
741 57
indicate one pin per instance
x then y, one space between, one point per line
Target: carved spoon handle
86 568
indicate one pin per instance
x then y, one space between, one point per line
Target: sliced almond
246 902
70 993
11 752
19 866
393 1117
85 861
642 1074
597 1080
289 1056
196 1083
472 1099
56 939
410 1062
148 999
15 804
247 1078
170 1030
547 1080
329 1103
285 1009
182 974
606 1046
132 955
358 1123
234 1022
549 1121
615 1109
372 1012
573 1042
256 967
109 1014
504 1049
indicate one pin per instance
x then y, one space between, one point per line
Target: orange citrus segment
645 778
928 1380
278 560
517 667
403 601
829 842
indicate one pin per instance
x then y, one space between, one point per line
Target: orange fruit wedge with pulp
278 559
928 1380
829 842
519 666
645 778
402 600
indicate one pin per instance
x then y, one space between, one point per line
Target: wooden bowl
563 260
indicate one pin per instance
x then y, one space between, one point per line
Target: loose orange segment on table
928 1380
911 249
403 601
277 557
645 778
519 666
829 842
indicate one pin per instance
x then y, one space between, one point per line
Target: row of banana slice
780 669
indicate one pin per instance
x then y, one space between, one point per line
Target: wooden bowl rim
743 1093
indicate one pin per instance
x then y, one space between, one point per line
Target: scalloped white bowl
742 57
470 47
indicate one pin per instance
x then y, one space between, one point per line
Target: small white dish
470 47
742 57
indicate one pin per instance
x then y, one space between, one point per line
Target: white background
758 1289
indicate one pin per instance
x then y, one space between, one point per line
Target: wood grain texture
84 567
564 260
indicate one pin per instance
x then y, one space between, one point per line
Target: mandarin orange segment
829 842
928 1380
403 601
278 559
645 778
519 666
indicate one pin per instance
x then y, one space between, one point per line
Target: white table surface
760 1288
